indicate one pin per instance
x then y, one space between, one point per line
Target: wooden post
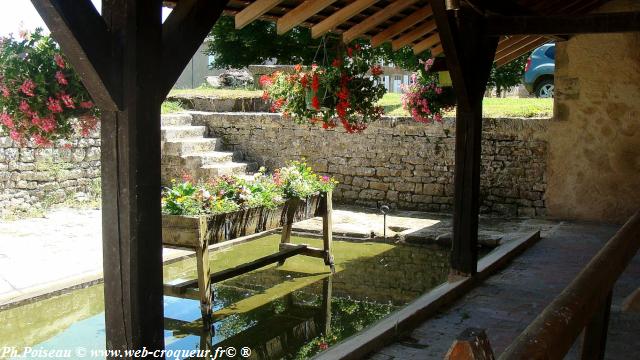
327 289
471 344
327 228
469 54
204 274
131 218
287 226
595 333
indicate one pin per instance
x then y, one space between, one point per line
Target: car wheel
545 89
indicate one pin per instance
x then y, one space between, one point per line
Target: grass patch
169 107
217 93
492 107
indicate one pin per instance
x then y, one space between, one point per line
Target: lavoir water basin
292 311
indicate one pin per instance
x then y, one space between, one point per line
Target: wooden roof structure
400 22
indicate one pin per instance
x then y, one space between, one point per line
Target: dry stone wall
32 177
397 161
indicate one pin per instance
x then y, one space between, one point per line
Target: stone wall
32 177
397 161
594 140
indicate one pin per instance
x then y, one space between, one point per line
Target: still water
288 312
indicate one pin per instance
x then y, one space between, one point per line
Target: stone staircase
187 149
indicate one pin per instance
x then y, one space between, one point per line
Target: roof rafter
376 19
401 26
254 11
414 35
301 13
426 43
340 16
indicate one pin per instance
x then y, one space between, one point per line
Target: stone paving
44 254
508 301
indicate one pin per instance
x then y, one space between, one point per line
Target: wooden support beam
182 34
401 26
85 38
414 35
426 44
469 51
565 24
301 13
515 45
340 16
376 19
254 11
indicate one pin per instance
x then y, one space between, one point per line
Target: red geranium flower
67 101
315 103
315 83
376 70
298 67
336 62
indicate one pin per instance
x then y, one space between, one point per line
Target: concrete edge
388 329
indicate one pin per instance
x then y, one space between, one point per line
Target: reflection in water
291 312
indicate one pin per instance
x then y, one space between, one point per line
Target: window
551 52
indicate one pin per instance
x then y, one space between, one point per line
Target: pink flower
48 124
428 64
5 90
59 61
27 87
86 104
54 105
61 79
25 108
41 140
15 136
6 120
67 101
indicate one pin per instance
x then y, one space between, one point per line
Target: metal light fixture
452 4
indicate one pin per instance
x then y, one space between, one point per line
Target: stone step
176 120
183 146
208 158
228 168
181 132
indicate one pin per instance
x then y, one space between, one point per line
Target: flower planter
196 231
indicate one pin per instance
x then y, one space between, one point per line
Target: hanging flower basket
424 98
41 97
346 92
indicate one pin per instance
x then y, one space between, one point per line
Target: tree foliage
258 42
507 76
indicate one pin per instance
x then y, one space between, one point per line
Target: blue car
538 73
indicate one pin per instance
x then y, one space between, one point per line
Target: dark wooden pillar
469 52
131 219
129 60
